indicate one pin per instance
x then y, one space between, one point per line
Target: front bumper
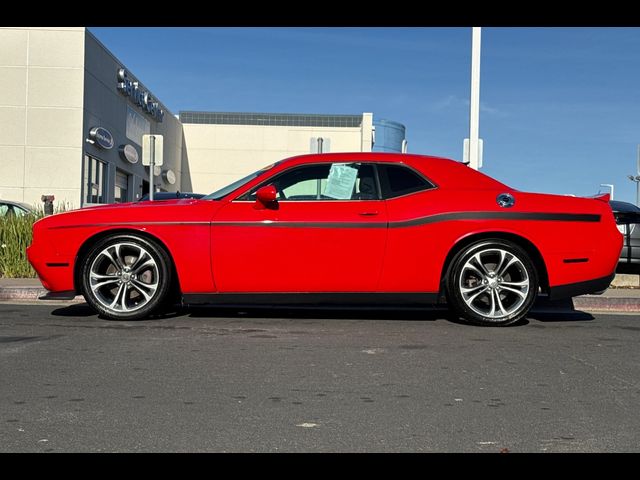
55 272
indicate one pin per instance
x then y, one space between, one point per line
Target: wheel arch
526 244
90 241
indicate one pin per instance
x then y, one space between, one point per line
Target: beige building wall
41 102
221 154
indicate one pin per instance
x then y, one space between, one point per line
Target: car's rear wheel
493 282
126 277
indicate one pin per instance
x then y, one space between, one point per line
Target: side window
19 212
302 183
330 181
401 180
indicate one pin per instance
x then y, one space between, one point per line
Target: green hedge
15 237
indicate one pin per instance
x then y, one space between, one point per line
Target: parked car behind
9 208
627 217
171 196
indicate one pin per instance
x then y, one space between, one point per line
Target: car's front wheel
493 282
125 277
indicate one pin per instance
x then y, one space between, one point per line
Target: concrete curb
27 294
607 304
21 293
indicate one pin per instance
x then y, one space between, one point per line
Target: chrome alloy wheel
494 283
124 277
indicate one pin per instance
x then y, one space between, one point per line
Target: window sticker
342 179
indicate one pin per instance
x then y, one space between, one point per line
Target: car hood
165 211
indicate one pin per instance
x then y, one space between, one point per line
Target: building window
95 180
121 194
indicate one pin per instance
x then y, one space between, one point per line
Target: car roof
360 156
26 206
444 172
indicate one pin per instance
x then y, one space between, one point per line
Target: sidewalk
24 289
613 300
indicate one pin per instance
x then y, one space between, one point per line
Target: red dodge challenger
338 228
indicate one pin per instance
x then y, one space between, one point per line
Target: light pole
636 178
609 186
474 101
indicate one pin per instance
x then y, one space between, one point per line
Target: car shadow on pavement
564 316
75 310
545 310
339 312
545 313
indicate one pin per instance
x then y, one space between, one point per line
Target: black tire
136 305
489 299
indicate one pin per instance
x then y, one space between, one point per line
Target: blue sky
560 107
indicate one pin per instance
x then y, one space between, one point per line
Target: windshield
218 194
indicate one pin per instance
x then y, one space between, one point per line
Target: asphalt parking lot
316 381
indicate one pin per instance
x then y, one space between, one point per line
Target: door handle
368 214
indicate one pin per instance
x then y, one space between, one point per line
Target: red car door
317 237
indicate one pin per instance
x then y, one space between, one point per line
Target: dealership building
72 118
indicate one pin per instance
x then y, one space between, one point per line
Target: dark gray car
628 219
171 196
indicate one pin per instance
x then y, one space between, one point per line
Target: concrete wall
41 96
221 154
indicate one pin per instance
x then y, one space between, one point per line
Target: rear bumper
597 285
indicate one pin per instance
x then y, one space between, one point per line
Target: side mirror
266 197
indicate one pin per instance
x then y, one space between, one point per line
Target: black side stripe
443 217
138 224
446 217
269 223
440 217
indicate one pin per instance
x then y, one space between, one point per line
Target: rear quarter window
400 180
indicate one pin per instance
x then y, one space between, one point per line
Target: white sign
342 179
152 145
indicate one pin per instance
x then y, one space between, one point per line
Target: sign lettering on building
140 97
